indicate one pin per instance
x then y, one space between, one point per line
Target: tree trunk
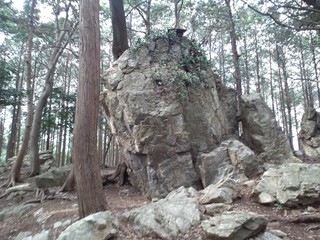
119 28
12 141
35 133
14 175
86 166
235 55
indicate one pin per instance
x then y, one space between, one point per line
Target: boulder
44 235
262 133
98 226
231 159
165 218
223 192
54 177
16 211
234 226
163 110
290 184
267 236
216 208
309 134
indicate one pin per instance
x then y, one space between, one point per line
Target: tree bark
235 55
14 175
86 166
34 144
119 28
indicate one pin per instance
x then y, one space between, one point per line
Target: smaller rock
223 192
53 178
266 198
44 217
234 226
98 226
183 192
216 208
44 235
23 235
278 233
250 183
311 209
61 224
267 236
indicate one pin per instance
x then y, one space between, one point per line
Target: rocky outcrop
290 184
99 226
166 218
54 177
261 132
163 109
232 159
309 135
234 226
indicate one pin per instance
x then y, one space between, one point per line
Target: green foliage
8 94
191 67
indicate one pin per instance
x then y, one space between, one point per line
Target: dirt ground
63 207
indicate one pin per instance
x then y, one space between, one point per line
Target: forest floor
63 207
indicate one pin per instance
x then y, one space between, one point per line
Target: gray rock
160 133
23 235
223 192
234 226
267 236
232 159
262 133
165 218
17 211
44 235
278 233
98 226
266 198
309 134
54 177
291 184
216 208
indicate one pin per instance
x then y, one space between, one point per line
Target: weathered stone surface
216 208
291 184
262 133
166 218
223 192
98 226
309 134
232 159
53 177
17 211
267 236
161 134
233 226
44 235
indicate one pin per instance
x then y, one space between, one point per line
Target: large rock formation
262 133
163 108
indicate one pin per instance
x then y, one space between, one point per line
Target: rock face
262 133
290 184
309 134
234 226
231 159
163 113
99 226
168 217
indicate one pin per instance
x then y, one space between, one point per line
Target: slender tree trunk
14 175
316 68
235 55
34 144
86 165
12 141
272 89
246 62
119 28
257 63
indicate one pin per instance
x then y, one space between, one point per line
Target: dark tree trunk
14 175
86 165
119 28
